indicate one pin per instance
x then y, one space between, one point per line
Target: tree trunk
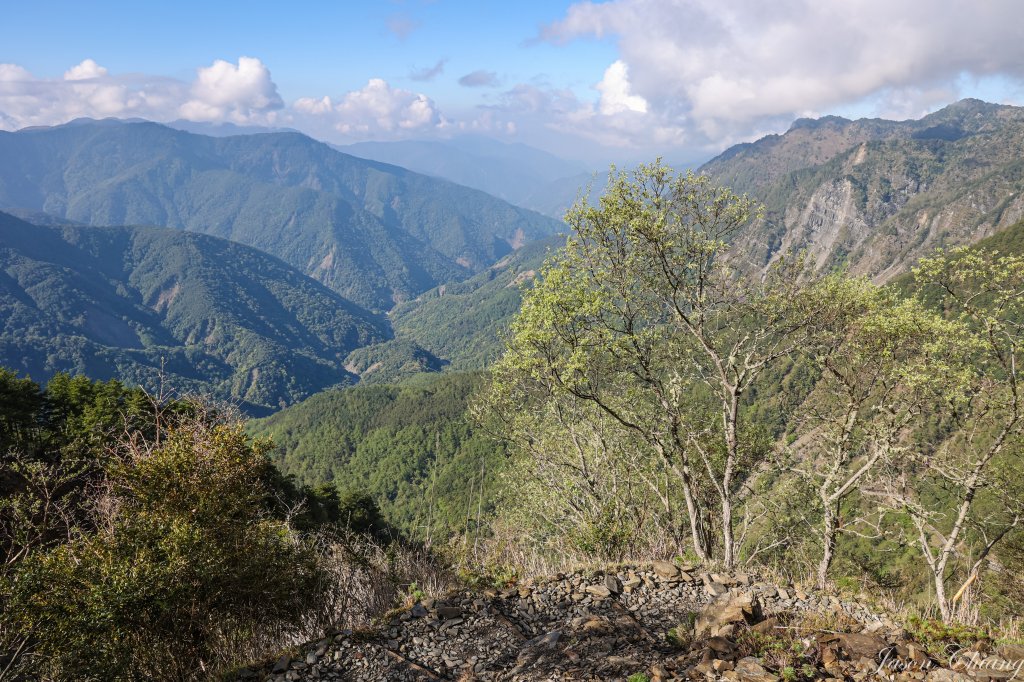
829 541
940 596
730 417
698 532
727 538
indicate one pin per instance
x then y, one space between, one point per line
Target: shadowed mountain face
374 233
873 196
150 304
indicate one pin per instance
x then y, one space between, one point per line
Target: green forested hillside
210 315
463 322
411 446
392 361
375 233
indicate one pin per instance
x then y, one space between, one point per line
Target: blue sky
615 80
311 48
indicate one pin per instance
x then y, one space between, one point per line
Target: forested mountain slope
375 233
210 315
463 323
411 447
872 195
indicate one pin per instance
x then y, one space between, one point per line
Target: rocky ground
650 623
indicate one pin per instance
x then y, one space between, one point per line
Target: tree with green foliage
578 486
872 363
643 316
962 488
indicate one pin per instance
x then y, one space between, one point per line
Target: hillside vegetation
149 539
412 447
155 306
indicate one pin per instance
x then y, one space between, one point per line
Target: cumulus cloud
240 93
727 69
429 73
374 109
479 79
616 119
615 91
85 90
84 71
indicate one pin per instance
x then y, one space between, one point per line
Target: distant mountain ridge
517 173
375 233
146 305
873 196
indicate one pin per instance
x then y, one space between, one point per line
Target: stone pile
657 622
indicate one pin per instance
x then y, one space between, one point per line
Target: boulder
728 610
613 583
749 669
666 570
449 612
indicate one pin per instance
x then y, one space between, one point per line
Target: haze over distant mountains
517 173
375 233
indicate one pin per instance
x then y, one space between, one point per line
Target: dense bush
149 540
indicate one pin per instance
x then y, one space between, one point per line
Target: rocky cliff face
873 196
655 623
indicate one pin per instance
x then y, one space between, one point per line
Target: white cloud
242 93
86 89
13 73
85 70
615 91
725 70
372 110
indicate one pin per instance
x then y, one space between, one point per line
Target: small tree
963 490
871 362
580 485
642 316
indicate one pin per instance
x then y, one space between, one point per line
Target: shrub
184 559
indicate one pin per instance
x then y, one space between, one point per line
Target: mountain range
447 262
375 233
157 305
517 173
872 196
